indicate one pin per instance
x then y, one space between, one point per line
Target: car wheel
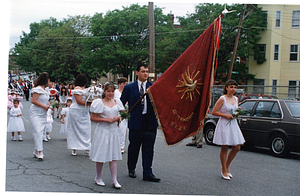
279 146
209 134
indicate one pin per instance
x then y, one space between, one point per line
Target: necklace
108 100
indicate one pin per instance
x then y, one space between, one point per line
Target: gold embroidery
189 84
181 118
177 127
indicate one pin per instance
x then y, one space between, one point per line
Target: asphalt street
183 170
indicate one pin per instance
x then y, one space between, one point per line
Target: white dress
228 134
48 127
79 123
123 125
38 117
106 142
15 123
63 129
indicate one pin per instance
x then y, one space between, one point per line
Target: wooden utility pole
236 42
151 42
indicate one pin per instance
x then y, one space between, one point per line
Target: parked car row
270 123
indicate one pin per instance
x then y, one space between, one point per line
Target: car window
294 107
275 112
267 109
247 107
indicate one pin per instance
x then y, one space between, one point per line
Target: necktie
141 94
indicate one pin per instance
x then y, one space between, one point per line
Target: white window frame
276 52
277 19
296 19
297 52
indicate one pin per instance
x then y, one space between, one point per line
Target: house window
296 18
274 87
294 53
266 14
262 51
292 89
276 52
277 20
260 86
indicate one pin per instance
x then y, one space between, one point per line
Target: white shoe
230 175
48 137
20 138
74 153
122 150
35 155
116 185
225 177
100 183
41 156
13 138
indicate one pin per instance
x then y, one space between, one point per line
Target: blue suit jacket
131 95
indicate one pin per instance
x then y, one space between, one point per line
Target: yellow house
281 44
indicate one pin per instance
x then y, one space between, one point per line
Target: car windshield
294 108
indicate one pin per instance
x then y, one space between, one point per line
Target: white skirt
105 145
15 125
63 128
79 129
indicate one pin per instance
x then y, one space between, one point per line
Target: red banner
181 96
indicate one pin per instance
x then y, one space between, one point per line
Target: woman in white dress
227 133
79 122
38 112
62 100
124 123
106 141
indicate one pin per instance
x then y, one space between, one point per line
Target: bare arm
34 101
217 107
80 101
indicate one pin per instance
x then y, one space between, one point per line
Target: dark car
268 123
255 96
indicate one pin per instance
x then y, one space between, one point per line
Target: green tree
120 39
195 24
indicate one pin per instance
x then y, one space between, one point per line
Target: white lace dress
63 128
106 141
79 123
38 117
15 122
228 134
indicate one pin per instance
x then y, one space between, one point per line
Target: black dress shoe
151 178
132 174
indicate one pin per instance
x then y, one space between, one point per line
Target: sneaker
20 138
13 138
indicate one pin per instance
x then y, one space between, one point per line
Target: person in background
64 117
79 122
38 113
124 123
16 123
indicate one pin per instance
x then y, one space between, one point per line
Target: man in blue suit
142 125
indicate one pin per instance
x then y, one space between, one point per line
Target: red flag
181 96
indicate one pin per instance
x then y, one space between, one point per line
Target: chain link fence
268 92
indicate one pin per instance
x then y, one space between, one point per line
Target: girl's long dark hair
63 93
42 79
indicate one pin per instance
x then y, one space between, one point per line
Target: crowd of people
78 105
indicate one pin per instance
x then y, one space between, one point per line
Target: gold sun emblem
189 85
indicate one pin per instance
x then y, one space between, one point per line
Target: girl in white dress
79 122
106 143
64 117
227 133
123 126
62 100
38 112
15 122
48 126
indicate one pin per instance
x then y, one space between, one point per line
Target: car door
266 117
243 120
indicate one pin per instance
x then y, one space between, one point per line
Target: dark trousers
146 139
26 92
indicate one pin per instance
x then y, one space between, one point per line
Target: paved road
183 170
